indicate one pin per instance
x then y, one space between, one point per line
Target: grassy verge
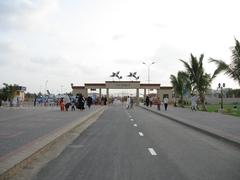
229 109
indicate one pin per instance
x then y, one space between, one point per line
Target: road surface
140 145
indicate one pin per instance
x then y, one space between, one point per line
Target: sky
49 44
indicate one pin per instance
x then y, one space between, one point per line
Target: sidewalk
221 126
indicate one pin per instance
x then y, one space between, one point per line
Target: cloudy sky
56 42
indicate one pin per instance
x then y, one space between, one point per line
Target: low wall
214 100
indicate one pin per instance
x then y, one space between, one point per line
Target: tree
8 92
200 80
232 69
180 84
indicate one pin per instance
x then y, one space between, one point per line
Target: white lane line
140 134
135 125
131 119
152 152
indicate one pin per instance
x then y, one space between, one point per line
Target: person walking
105 100
67 102
131 102
35 101
128 102
158 103
89 101
147 101
194 102
73 104
165 101
151 101
81 102
61 104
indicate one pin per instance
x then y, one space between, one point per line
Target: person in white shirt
128 102
194 102
165 101
67 102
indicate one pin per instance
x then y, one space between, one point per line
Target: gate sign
122 84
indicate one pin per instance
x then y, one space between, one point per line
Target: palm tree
232 69
200 80
180 84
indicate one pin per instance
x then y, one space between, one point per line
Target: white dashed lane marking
135 125
152 152
131 119
140 134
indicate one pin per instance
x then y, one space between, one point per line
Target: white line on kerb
135 125
140 134
151 150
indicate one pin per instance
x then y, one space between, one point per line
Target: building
20 93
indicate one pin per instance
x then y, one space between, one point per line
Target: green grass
228 109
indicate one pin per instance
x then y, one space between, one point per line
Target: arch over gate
118 85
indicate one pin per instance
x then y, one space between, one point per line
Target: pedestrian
128 102
89 101
67 102
165 101
131 102
151 101
61 104
102 100
81 102
147 101
73 104
158 103
35 101
194 102
18 104
105 100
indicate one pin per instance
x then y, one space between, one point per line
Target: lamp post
221 86
148 67
46 87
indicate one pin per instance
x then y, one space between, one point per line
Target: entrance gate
116 85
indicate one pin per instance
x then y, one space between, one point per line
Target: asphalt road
20 126
140 145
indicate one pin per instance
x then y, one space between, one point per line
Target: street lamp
148 67
221 86
46 87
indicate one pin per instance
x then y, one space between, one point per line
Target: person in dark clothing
147 101
81 102
105 100
73 104
35 101
89 101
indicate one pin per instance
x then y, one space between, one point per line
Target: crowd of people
149 101
79 102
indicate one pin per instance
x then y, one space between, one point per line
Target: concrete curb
26 154
204 129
